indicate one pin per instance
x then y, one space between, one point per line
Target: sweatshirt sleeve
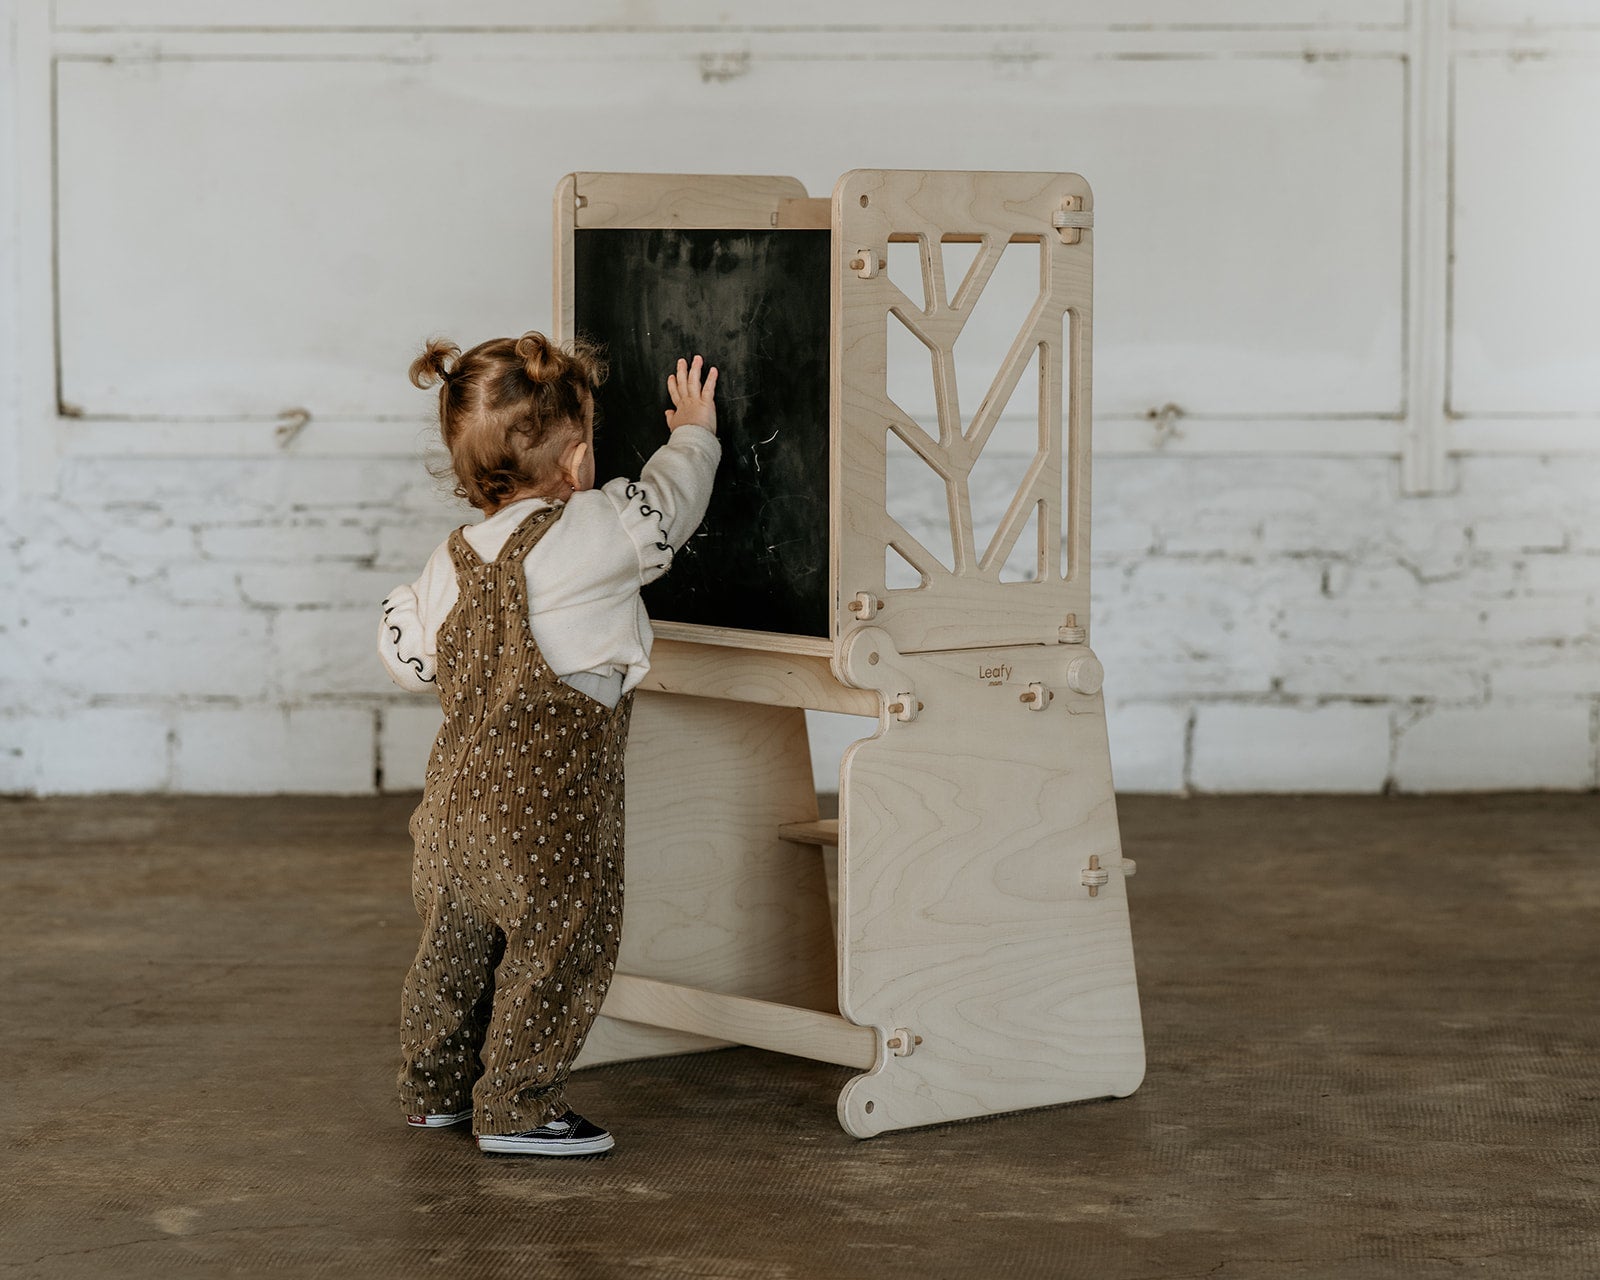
666 503
584 576
408 629
402 642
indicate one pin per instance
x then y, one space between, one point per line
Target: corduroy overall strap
523 539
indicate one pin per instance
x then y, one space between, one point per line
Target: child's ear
572 462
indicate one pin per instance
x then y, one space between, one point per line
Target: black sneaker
571 1135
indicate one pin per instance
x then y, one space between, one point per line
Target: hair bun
542 359
430 366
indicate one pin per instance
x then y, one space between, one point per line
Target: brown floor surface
1371 1024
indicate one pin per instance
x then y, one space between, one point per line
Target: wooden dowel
825 831
805 1033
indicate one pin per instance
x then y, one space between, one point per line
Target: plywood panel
966 911
963 599
715 898
1524 326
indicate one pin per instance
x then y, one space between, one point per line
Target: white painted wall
208 221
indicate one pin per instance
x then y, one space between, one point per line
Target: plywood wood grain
714 898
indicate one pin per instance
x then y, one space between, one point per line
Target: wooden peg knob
1085 675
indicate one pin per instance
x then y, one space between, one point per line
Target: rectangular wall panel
1528 16
237 238
1525 329
240 237
889 14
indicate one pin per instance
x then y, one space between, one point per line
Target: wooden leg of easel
806 1033
715 899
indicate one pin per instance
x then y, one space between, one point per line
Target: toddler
530 628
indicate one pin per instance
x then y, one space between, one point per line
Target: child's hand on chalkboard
694 401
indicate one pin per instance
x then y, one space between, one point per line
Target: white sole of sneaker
437 1122
522 1145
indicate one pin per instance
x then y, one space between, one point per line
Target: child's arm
667 502
405 642
400 634
612 540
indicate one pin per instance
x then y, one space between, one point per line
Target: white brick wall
1149 745
1497 748
1356 640
289 749
88 749
1268 666
1333 747
405 737
1268 621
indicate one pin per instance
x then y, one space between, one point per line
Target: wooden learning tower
960 934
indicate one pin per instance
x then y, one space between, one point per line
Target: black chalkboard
755 305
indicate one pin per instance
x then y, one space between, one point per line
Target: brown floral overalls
518 868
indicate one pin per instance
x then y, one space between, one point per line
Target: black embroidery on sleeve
410 662
636 491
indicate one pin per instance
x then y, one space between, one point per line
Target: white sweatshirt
583 576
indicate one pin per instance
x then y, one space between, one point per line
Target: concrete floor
1372 1030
